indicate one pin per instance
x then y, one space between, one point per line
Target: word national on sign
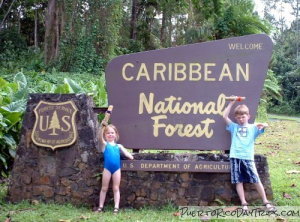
173 105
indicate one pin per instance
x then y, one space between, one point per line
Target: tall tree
202 20
239 19
135 11
169 10
54 27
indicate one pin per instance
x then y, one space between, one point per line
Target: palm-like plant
239 19
272 88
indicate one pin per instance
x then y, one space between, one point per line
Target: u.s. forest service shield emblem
55 124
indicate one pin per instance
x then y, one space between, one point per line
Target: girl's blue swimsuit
112 158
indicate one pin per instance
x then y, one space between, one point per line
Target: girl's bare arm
125 152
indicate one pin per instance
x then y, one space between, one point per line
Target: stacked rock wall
140 188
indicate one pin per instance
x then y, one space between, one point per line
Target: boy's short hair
241 110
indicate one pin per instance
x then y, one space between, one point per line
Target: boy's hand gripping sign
174 98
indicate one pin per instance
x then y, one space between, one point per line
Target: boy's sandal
116 210
245 206
99 210
269 206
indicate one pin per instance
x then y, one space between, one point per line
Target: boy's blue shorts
243 171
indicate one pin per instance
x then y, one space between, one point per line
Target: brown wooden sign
174 98
177 166
55 124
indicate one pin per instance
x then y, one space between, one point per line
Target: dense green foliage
12 105
86 34
286 55
287 69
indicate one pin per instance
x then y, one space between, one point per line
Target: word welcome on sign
174 98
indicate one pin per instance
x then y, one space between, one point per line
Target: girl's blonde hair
105 128
241 110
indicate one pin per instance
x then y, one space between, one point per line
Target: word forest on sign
174 98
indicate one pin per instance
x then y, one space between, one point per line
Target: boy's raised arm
227 111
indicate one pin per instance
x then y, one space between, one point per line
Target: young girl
112 164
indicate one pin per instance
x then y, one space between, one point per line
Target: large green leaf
13 118
21 80
13 112
3 83
12 87
45 87
63 88
2 123
75 87
12 152
22 94
9 140
16 106
3 160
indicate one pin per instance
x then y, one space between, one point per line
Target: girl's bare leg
105 183
116 177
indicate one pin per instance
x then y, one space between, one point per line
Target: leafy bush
11 40
282 108
13 60
14 52
12 106
81 57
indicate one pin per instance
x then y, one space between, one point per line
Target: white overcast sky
286 11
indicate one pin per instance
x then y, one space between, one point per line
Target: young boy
242 163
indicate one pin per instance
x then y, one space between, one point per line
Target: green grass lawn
280 143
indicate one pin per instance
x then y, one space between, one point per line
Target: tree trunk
19 22
170 31
163 28
54 26
134 12
297 31
36 42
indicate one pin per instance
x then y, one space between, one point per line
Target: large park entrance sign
174 98
163 99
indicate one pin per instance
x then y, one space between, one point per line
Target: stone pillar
66 174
